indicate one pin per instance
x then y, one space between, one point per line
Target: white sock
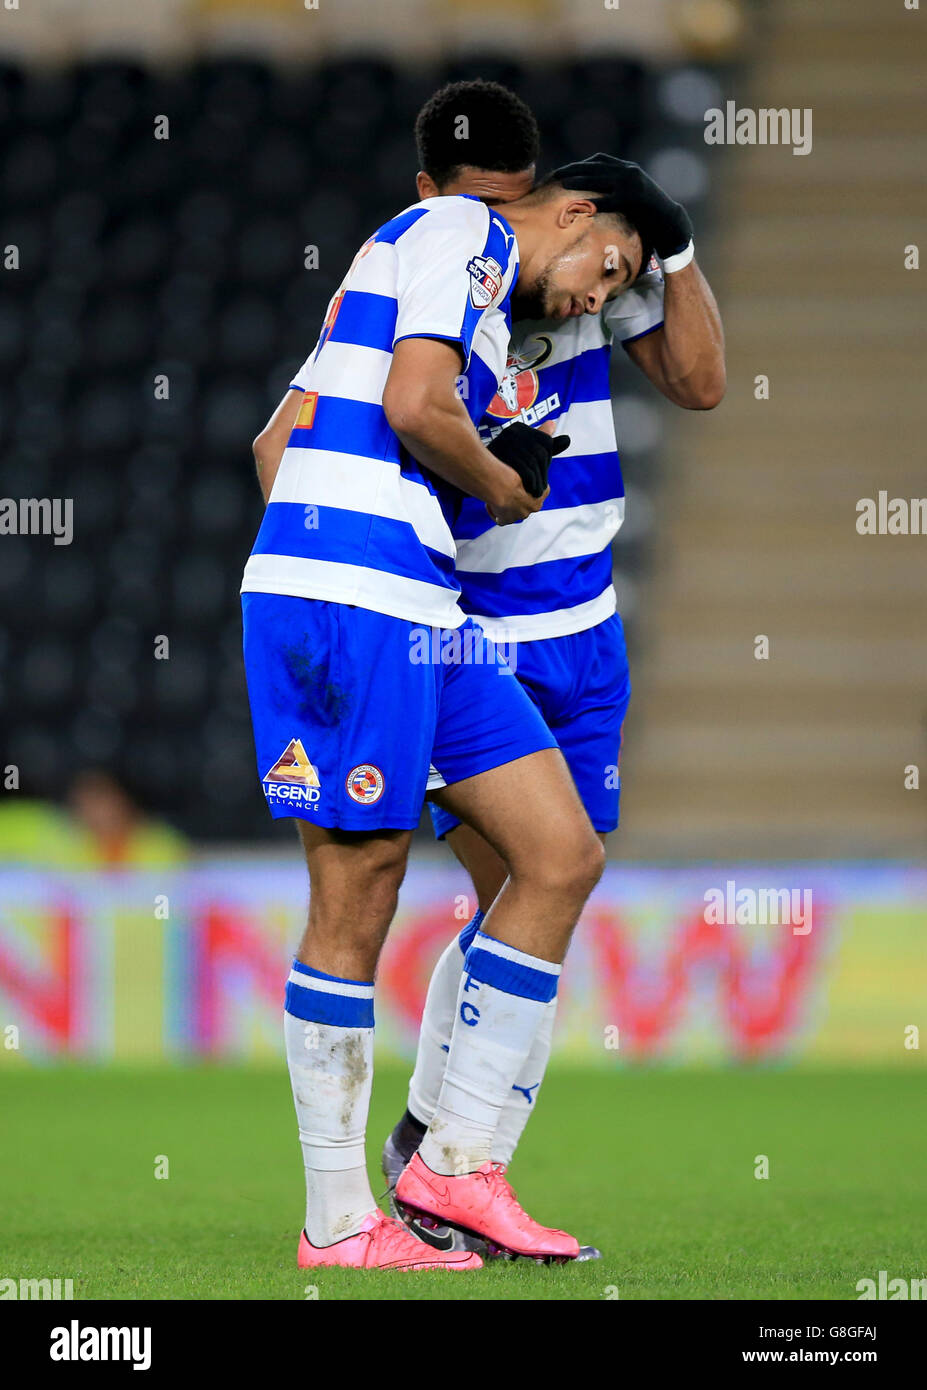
328 1027
434 1037
522 1100
502 1001
434 1044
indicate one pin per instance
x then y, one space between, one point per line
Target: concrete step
825 256
808 620
670 824
712 571
845 94
851 328
834 161
776 747
803 754
796 17
823 529
723 662
729 501
856 458
655 706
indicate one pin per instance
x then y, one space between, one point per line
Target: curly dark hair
502 134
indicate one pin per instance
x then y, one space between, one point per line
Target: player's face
598 263
487 184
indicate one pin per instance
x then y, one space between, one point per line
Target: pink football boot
483 1204
382 1243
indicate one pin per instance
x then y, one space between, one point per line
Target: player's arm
422 405
269 445
685 357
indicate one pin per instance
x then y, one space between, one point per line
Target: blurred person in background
100 826
38 834
110 830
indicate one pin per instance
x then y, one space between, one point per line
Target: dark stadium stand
183 257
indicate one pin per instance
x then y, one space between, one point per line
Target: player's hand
529 451
515 504
662 223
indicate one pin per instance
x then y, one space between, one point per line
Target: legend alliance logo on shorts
292 777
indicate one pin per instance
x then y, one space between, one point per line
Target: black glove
529 452
621 186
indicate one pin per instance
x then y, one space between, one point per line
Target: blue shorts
581 686
354 712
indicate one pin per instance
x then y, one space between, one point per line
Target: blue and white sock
328 1027
501 1005
523 1096
434 1039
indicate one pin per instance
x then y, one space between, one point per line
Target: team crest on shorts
364 784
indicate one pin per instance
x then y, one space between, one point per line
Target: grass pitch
655 1167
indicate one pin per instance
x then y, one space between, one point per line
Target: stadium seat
184 259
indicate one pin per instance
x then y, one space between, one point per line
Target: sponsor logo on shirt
518 389
307 411
517 397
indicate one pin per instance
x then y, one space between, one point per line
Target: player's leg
431 1058
544 681
487 873
510 978
590 729
327 755
530 813
507 779
487 870
328 1021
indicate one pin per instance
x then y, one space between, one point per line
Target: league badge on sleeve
485 281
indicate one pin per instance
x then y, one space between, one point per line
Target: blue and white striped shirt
352 517
551 574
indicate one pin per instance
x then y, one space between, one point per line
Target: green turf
655 1167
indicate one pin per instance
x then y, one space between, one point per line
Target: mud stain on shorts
323 697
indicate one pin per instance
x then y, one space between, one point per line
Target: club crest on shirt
485 280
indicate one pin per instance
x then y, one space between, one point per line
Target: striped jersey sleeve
445 288
638 310
352 517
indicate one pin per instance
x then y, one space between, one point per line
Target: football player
352 568
542 589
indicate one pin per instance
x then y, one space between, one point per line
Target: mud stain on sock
354 1077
